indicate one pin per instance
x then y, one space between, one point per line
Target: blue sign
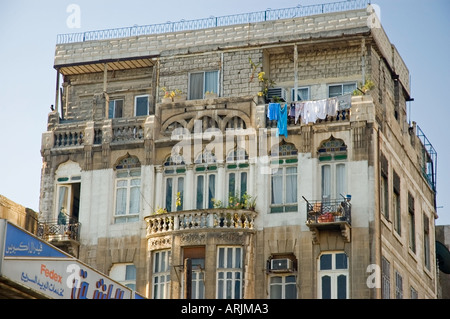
21 244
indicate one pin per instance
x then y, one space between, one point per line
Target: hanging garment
273 111
309 114
345 102
292 110
282 121
298 110
320 107
332 106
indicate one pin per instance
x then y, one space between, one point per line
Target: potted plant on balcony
178 96
210 95
168 95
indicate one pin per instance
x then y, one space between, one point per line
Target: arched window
174 178
332 155
128 190
284 163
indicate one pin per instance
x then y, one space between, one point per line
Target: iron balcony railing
328 211
58 230
212 22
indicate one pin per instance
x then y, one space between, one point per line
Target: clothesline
311 110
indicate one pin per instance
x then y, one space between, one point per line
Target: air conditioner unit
281 93
281 265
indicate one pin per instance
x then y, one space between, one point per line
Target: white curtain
277 187
291 185
211 81
121 197
326 182
340 181
134 196
196 86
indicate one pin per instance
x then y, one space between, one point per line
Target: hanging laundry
282 121
309 112
273 111
320 108
332 106
292 110
298 110
345 102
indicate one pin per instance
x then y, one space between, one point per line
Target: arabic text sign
21 244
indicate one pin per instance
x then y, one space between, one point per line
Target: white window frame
121 273
127 216
335 190
342 85
113 115
204 82
135 104
283 285
175 189
161 274
284 205
301 88
68 183
238 181
230 272
334 274
205 192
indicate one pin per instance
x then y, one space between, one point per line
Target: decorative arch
332 149
283 149
126 162
206 157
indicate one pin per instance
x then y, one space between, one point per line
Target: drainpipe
57 96
295 72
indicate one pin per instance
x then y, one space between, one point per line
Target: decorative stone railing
220 218
55 230
126 130
69 137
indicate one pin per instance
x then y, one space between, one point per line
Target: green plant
160 210
266 84
365 88
217 203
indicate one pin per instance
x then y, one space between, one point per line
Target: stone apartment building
286 169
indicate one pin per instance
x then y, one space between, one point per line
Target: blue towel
273 111
282 121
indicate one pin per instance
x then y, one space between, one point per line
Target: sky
419 29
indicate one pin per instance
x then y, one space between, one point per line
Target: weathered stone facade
314 52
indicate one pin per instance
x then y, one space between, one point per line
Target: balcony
64 235
203 219
331 215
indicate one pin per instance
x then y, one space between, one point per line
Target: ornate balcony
64 235
203 219
329 215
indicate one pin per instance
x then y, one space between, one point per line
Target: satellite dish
443 257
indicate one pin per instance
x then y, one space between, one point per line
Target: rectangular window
174 193
334 185
68 205
229 272
141 105
398 286
385 279
302 94
128 190
284 189
341 89
412 223
202 82
426 242
414 293
333 276
283 287
161 274
115 109
384 187
206 191
396 202
237 183
125 274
